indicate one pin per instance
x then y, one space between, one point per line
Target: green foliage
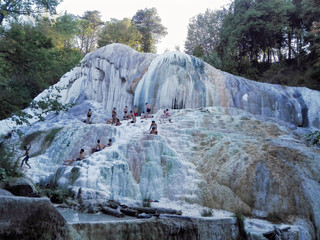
149 24
14 9
204 33
240 222
26 140
120 31
206 213
248 38
88 28
51 135
9 168
56 194
313 138
30 64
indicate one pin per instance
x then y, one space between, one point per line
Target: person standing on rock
148 109
114 116
135 111
125 111
134 119
27 156
89 114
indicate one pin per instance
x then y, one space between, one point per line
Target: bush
313 138
206 213
9 168
56 194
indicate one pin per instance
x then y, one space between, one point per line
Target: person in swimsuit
27 156
148 109
114 116
134 119
100 146
135 110
153 124
69 162
125 111
154 131
89 114
109 143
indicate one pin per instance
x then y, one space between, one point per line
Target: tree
204 33
87 36
14 8
149 24
29 64
120 31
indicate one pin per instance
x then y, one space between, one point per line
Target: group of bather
132 115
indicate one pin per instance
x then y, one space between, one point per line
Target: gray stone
30 218
5 193
21 187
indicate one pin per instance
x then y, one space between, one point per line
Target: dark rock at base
30 218
21 187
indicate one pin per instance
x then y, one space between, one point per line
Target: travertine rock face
118 76
246 153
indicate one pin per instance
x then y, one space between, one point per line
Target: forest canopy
273 41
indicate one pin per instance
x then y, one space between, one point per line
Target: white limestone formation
233 144
116 76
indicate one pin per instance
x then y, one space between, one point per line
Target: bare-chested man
100 146
27 156
125 112
109 143
68 162
154 131
148 109
153 124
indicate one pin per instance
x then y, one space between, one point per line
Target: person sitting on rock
109 143
99 147
134 119
153 124
154 131
109 121
142 116
27 156
125 111
68 162
118 123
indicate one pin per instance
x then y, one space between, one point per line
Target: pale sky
174 14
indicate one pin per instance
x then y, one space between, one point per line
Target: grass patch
240 222
55 194
206 213
29 138
51 135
